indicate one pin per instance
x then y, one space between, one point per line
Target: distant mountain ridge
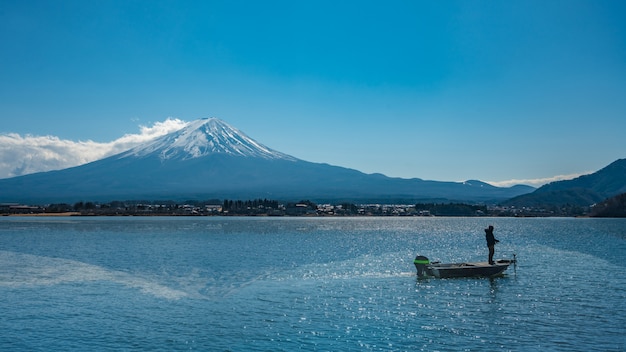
581 191
209 159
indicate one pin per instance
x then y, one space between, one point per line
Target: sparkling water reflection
284 284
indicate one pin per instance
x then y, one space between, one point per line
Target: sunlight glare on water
285 284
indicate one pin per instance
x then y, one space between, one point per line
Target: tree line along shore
265 207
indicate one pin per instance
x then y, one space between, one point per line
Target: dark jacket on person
489 237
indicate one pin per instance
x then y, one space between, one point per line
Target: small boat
450 270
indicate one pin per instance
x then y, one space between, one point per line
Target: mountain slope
202 138
614 207
581 191
210 159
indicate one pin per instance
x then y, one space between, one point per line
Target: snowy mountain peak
205 137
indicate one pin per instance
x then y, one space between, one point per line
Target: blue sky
440 90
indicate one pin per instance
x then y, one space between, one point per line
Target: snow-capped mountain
202 138
208 159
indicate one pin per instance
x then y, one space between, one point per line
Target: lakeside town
274 208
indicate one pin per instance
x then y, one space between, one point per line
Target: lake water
312 284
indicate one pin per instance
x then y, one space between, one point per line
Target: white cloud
21 155
537 182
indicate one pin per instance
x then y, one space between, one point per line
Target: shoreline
71 213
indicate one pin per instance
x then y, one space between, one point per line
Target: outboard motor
420 264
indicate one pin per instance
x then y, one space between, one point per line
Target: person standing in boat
491 242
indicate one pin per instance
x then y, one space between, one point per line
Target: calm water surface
322 284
